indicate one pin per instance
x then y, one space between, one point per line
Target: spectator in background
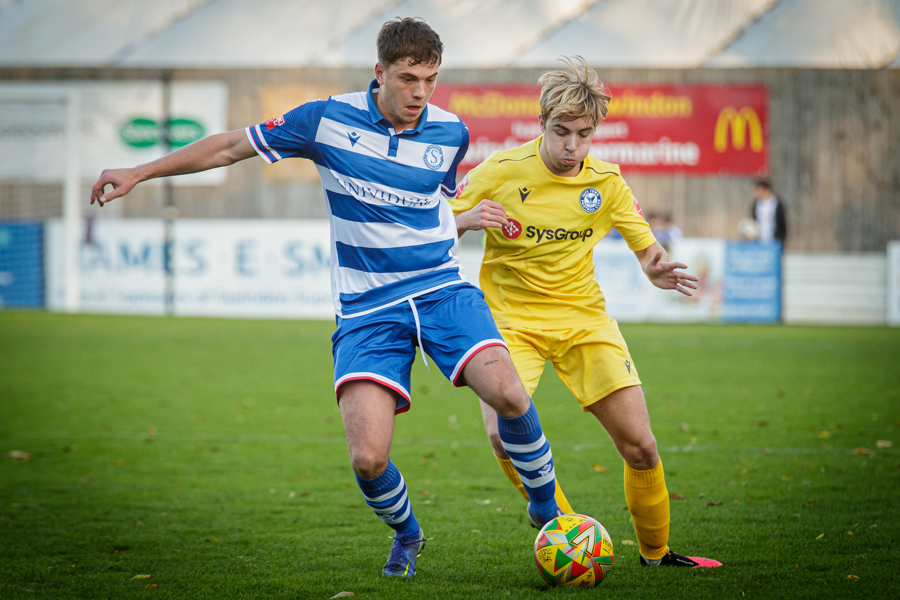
664 229
768 212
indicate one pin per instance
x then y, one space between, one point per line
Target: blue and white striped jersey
393 235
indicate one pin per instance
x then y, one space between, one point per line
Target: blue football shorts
451 325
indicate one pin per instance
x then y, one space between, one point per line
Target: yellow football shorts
593 362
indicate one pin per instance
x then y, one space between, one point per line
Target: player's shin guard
530 453
386 494
509 469
648 501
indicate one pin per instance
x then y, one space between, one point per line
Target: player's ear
379 73
541 122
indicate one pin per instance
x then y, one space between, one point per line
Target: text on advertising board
706 129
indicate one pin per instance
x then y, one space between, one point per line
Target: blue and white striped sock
386 494
529 451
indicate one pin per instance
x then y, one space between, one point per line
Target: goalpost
23 111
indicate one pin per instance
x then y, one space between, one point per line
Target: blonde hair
574 93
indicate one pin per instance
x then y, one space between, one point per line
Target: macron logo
354 137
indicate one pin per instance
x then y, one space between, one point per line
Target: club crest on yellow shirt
591 200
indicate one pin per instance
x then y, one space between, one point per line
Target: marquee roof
857 34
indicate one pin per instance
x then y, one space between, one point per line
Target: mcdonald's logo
740 121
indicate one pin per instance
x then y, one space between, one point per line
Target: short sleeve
448 185
478 184
290 135
628 220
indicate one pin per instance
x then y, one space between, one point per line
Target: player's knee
509 400
642 455
368 464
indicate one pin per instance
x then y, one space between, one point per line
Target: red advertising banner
701 129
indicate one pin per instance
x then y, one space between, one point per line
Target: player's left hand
664 275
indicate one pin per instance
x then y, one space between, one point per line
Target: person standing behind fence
768 212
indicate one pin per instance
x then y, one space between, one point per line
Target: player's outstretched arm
219 150
663 274
486 213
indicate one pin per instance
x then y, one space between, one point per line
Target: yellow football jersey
539 271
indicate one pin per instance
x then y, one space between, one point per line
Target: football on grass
573 550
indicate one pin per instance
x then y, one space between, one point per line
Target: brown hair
763 183
574 93
410 38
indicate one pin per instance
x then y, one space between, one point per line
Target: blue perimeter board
21 264
752 283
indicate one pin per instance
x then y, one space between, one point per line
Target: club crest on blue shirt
433 157
591 200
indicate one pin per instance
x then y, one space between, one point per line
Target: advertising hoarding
120 126
697 129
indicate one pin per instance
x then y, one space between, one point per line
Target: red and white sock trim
388 383
468 356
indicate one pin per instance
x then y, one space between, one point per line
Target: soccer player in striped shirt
387 160
544 206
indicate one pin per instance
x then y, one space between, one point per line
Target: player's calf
528 449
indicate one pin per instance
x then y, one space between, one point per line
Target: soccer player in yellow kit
544 206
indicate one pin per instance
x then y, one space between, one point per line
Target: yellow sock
509 470
648 501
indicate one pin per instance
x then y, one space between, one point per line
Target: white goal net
39 180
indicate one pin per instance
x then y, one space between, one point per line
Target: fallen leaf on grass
700 495
598 468
627 542
713 504
848 532
292 494
884 444
820 536
120 463
737 500
852 578
343 595
676 496
19 455
143 577
785 478
485 501
824 434
805 482
152 585
862 451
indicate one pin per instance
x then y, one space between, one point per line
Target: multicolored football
573 550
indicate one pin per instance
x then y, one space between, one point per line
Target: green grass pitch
209 454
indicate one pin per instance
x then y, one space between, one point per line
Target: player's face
566 144
404 91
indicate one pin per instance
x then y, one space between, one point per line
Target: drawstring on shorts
415 313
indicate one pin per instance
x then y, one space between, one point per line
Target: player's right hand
121 180
486 213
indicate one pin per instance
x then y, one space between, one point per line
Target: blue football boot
538 523
404 552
